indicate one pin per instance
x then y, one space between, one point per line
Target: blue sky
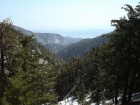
43 15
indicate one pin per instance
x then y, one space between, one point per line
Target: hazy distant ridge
54 42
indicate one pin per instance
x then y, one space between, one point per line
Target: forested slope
27 69
110 70
79 49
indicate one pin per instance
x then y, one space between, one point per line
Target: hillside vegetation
52 41
79 49
110 68
27 69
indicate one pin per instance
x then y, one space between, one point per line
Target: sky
45 15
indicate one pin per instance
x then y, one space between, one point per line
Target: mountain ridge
50 39
83 46
65 47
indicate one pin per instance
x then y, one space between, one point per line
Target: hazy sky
42 15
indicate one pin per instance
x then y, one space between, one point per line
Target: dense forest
32 75
110 70
27 71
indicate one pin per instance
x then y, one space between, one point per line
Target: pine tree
81 95
24 79
123 57
39 75
9 47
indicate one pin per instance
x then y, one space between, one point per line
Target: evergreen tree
123 61
9 47
25 80
81 95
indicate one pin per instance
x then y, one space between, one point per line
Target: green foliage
111 69
81 95
121 55
80 48
28 73
29 80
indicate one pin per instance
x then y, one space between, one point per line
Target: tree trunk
131 87
124 100
116 96
2 77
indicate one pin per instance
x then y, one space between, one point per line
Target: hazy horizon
63 15
91 33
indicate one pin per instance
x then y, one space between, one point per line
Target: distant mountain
54 47
73 40
80 48
51 38
66 47
91 33
24 31
49 56
53 42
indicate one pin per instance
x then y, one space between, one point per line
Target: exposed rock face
51 38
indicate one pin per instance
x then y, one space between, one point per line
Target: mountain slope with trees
110 70
79 49
53 42
27 69
31 75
